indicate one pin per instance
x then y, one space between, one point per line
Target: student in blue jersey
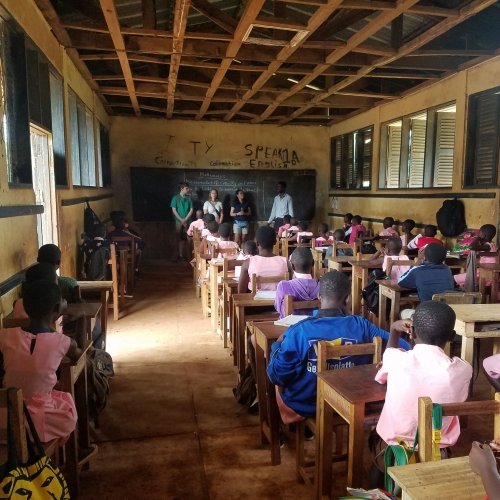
292 366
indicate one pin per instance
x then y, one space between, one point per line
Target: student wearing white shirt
282 206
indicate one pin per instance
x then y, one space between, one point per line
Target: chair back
14 398
468 408
230 265
343 246
284 247
458 297
257 281
327 350
292 305
391 263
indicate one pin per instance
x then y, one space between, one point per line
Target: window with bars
351 160
483 139
416 151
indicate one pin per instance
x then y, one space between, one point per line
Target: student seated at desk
293 361
263 264
491 367
347 226
391 250
31 357
198 224
388 230
407 227
323 237
225 241
357 229
294 227
426 370
122 231
248 249
302 286
338 237
483 243
483 462
433 276
303 235
40 271
51 254
286 225
428 236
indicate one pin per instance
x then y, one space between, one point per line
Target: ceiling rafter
473 8
217 16
64 39
382 19
252 10
111 17
315 21
180 23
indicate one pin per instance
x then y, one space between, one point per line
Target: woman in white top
214 206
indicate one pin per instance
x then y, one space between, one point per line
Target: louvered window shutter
445 145
416 155
366 137
393 155
336 162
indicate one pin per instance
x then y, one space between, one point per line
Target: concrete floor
172 429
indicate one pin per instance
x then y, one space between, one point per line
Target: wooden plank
430 34
20 210
217 16
180 22
251 11
315 21
111 17
67 202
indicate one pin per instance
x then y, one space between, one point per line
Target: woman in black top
240 212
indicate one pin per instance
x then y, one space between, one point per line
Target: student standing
182 208
282 205
240 212
214 206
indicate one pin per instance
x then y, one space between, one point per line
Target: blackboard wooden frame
153 188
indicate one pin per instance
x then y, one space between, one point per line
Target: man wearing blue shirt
293 360
282 205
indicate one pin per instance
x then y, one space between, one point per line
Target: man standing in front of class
282 206
182 208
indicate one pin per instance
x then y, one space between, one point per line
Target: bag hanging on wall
39 478
450 218
402 454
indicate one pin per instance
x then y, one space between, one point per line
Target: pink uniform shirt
396 270
266 266
389 231
424 371
198 224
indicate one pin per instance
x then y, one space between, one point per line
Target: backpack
245 392
370 292
97 264
90 221
99 368
450 218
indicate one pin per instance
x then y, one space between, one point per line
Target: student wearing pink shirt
426 370
357 229
199 223
388 230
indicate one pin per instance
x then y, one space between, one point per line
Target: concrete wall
454 88
18 234
159 143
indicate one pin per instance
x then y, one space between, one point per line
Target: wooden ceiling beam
180 23
306 2
285 55
64 39
148 14
382 19
416 9
250 12
111 17
217 16
419 41
273 22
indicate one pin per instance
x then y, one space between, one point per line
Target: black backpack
245 392
370 292
99 369
96 263
450 218
90 221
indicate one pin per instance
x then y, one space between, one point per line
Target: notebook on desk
265 295
290 320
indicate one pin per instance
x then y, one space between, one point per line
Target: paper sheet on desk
290 320
265 295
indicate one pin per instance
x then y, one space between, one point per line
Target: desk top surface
247 300
365 264
95 285
269 329
489 266
393 285
470 313
356 384
88 309
451 478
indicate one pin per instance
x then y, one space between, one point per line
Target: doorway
44 184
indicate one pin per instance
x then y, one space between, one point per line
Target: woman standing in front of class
240 212
214 206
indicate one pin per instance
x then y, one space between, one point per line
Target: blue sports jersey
428 279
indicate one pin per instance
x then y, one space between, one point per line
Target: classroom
122 119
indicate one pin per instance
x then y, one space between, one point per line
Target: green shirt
182 204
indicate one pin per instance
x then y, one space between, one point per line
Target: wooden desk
103 288
318 256
230 287
451 478
489 272
389 290
471 316
345 392
360 270
340 263
266 333
87 310
243 304
215 266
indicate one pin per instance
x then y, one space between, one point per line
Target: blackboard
153 188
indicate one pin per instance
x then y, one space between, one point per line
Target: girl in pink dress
31 357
